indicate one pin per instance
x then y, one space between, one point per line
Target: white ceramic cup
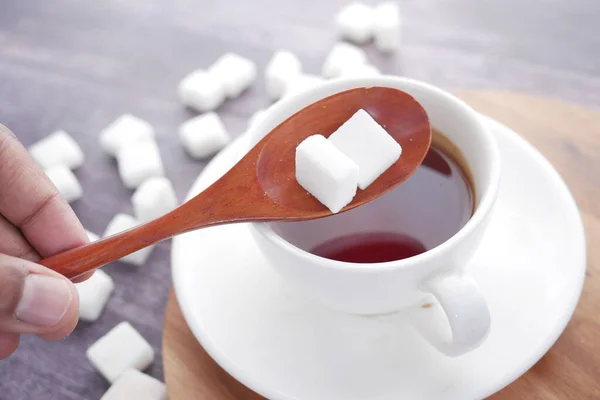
386 287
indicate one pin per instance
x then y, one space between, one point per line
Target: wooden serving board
569 136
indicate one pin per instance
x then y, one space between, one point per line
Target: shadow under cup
420 214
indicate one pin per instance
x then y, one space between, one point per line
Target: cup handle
466 310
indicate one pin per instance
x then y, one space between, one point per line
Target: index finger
31 202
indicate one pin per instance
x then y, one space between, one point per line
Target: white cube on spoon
139 161
121 349
204 135
201 91
133 384
341 55
125 130
368 144
153 198
355 22
281 69
93 295
66 182
58 148
236 73
326 172
124 222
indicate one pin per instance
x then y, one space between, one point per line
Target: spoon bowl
262 186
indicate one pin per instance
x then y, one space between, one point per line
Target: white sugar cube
281 69
66 182
326 173
341 55
92 236
386 26
236 73
125 130
139 161
355 22
201 91
366 143
121 349
93 295
301 83
123 222
133 384
359 71
204 135
153 198
58 148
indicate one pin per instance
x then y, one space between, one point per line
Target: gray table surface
77 65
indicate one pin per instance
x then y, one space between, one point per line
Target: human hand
35 222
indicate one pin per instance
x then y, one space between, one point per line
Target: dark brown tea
420 214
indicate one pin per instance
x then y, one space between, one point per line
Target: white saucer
530 267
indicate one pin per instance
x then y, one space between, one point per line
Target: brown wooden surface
239 196
569 136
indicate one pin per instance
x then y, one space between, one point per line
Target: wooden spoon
262 186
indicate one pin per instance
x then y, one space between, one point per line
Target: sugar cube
139 161
236 73
341 55
123 222
301 83
201 91
125 130
66 182
133 384
355 22
58 148
366 143
121 349
282 68
359 71
153 198
326 172
93 295
386 26
92 236
204 135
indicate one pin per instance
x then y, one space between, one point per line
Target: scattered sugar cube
58 148
92 236
256 117
93 295
133 384
204 135
153 198
201 91
355 22
122 348
386 26
139 161
341 55
326 172
123 131
236 73
121 223
359 71
366 143
66 182
301 83
283 67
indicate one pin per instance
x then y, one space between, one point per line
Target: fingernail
45 300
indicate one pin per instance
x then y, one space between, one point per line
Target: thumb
34 299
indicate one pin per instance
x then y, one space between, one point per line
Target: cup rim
488 193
